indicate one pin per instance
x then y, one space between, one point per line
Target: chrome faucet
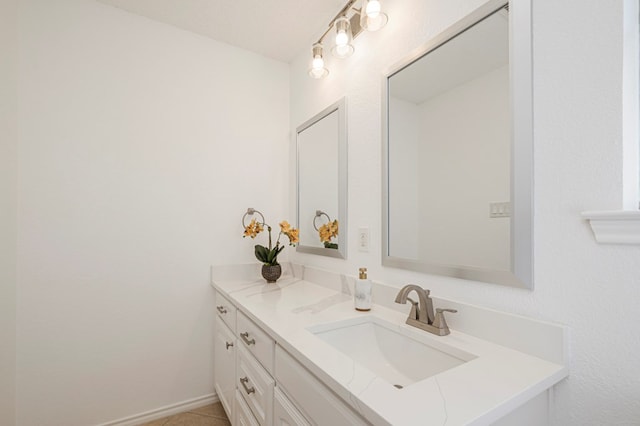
421 314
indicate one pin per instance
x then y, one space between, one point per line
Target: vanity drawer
311 395
244 417
256 387
226 310
256 341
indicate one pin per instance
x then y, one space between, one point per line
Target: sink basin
389 351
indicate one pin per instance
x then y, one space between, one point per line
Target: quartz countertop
478 392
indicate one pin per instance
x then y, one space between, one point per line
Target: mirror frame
341 107
521 100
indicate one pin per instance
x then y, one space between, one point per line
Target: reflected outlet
500 209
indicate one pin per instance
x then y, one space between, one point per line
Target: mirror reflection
448 155
449 160
321 149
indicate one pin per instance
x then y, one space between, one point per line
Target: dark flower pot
271 273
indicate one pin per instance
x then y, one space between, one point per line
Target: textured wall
141 147
594 289
8 206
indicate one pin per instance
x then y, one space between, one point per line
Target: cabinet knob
229 344
221 309
243 382
245 337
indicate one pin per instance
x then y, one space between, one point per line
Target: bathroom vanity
297 353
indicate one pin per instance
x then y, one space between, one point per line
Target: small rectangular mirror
457 163
321 144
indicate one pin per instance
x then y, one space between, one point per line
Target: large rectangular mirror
322 182
458 154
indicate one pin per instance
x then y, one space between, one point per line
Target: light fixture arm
343 12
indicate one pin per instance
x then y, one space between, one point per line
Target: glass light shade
373 8
373 18
343 47
318 69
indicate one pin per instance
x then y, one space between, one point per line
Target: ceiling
278 29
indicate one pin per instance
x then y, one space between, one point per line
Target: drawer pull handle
248 390
229 344
245 337
221 309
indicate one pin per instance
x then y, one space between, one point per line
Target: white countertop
477 392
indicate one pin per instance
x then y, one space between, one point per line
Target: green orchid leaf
262 254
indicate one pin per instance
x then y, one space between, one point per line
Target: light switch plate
363 239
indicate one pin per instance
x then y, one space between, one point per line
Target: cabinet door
224 366
285 413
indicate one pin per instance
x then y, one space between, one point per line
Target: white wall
8 206
594 289
141 147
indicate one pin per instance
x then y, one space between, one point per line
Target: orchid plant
268 255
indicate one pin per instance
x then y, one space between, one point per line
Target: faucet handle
440 323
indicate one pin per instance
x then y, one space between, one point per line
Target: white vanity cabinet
296 371
251 372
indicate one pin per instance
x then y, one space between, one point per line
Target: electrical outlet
363 239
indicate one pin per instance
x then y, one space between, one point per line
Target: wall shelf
615 226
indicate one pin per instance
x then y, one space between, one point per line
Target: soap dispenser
362 293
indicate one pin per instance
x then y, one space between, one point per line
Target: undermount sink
389 351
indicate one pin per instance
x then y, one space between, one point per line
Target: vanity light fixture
348 24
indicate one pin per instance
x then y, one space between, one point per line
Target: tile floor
209 415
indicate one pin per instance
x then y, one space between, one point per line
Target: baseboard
168 410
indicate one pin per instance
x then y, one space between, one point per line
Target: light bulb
373 17
342 38
373 9
343 47
317 63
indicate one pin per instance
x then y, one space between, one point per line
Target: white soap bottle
362 293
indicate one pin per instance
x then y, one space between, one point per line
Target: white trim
168 410
615 227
